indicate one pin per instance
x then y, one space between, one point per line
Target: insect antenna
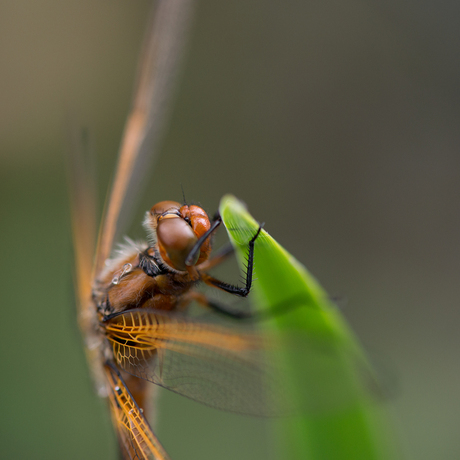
183 194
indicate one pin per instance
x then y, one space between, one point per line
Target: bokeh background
337 122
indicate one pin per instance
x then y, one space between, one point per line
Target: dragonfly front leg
196 249
217 257
231 288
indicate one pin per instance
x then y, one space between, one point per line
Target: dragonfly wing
158 67
234 371
135 437
213 365
82 193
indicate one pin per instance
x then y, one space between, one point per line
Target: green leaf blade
328 377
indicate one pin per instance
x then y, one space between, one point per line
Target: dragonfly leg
196 249
205 301
217 258
231 288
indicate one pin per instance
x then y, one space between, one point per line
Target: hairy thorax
125 284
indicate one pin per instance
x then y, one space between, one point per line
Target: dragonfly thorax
137 278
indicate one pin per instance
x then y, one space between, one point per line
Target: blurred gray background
337 122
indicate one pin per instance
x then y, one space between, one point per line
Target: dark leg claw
230 288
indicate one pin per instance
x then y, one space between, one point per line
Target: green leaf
330 385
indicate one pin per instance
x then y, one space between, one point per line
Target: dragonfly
132 303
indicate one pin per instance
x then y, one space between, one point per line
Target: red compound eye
175 240
177 229
200 224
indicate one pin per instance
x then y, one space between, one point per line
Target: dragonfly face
176 230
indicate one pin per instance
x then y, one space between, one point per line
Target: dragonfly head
176 229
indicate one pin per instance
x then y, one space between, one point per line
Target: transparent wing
82 192
213 365
235 371
158 67
135 437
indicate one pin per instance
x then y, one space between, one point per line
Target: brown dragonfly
133 302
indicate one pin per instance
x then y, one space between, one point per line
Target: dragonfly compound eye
200 224
165 206
176 239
